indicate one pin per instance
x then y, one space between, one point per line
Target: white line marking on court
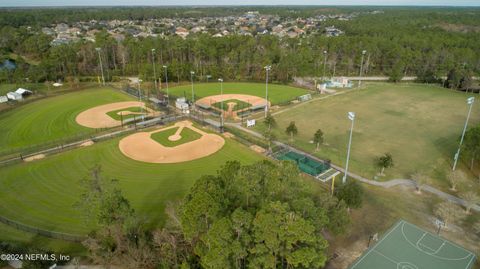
435 256
378 243
386 257
471 260
418 241
443 244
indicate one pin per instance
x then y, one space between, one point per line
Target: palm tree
449 212
292 130
471 199
270 121
269 137
318 138
454 177
420 180
385 161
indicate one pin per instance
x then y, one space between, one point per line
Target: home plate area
407 246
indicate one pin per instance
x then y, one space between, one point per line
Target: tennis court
406 246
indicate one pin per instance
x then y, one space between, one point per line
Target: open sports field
418 124
276 93
52 118
42 193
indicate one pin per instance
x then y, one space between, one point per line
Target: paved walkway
384 184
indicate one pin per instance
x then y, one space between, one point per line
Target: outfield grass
418 124
42 193
17 237
187 135
114 114
276 93
239 104
52 118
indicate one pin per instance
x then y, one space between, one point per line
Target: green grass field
277 93
42 193
114 114
239 105
187 135
51 118
418 124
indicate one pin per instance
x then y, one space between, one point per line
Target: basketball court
406 246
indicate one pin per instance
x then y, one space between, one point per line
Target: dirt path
97 117
141 147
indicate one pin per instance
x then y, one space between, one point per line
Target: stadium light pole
361 69
324 64
267 69
351 117
457 155
101 64
221 103
193 92
154 69
166 81
140 98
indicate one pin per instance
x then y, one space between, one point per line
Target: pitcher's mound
141 147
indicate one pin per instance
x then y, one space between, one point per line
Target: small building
339 82
14 96
3 99
182 105
23 92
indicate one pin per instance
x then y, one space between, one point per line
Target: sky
25 3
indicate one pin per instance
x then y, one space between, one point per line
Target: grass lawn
239 104
418 124
114 114
187 135
276 93
51 118
17 237
43 193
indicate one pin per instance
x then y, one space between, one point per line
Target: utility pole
361 69
101 65
457 155
221 104
351 117
154 69
166 82
193 92
267 68
324 64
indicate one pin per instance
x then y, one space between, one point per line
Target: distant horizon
221 3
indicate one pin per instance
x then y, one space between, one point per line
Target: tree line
397 43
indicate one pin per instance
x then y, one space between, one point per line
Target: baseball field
43 193
52 118
276 93
418 124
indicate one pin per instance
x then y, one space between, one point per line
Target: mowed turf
52 118
114 114
276 93
187 135
419 125
43 193
239 104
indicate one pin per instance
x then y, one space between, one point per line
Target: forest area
424 42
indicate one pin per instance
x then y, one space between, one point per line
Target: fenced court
406 246
305 164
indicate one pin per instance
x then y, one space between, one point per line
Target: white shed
14 96
23 91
